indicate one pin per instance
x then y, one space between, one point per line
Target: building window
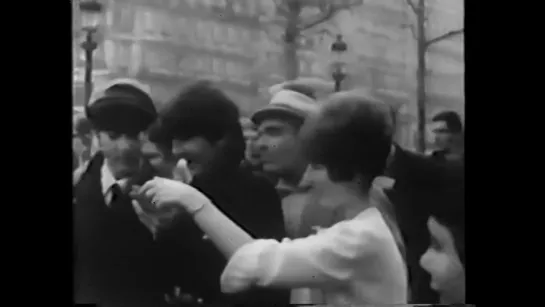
193 3
208 3
232 35
204 65
122 54
205 32
150 24
220 4
219 67
232 70
156 60
123 15
238 7
251 8
217 33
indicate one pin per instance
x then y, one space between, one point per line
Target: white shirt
107 180
355 262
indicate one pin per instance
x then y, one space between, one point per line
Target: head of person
250 135
447 129
351 136
119 113
278 126
445 257
203 124
82 129
81 134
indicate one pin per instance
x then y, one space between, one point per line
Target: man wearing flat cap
116 261
301 188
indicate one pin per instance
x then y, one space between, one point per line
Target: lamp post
338 50
91 17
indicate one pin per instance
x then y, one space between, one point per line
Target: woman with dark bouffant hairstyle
354 262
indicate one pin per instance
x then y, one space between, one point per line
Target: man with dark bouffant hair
202 125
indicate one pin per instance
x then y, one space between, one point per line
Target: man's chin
270 168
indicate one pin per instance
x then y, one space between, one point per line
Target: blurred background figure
250 136
449 136
81 138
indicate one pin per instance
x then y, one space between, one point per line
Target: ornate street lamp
91 18
338 50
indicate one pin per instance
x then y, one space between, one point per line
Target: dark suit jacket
196 264
422 186
117 262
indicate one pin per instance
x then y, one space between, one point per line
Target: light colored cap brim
287 102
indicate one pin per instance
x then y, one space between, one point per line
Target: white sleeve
318 261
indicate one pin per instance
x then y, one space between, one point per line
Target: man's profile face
442 136
277 145
123 152
197 151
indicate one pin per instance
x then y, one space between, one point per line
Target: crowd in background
305 202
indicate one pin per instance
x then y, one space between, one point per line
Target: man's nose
260 144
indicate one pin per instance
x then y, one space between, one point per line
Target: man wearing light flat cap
116 261
301 188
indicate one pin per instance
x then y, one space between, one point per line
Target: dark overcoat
422 185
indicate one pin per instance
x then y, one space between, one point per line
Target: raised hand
168 193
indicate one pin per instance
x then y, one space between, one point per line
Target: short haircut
158 137
452 120
82 125
202 110
352 135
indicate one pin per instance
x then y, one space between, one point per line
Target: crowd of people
306 202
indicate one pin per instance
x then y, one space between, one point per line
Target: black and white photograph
268 153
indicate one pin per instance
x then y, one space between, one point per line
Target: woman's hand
167 193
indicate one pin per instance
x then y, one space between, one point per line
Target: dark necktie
117 202
116 192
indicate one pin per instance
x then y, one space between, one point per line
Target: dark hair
352 135
304 89
205 111
452 120
82 125
158 137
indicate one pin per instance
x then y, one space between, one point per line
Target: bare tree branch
327 13
444 36
413 7
411 27
281 7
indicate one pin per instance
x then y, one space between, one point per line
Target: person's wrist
194 206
